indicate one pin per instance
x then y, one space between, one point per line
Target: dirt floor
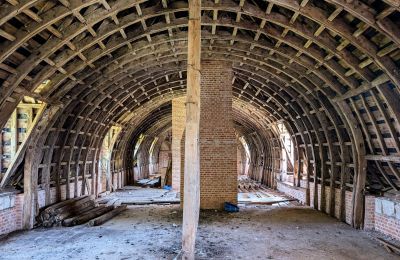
154 232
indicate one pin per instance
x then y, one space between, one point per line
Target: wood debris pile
133 195
252 192
150 182
160 179
77 211
247 184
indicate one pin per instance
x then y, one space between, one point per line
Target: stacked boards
77 211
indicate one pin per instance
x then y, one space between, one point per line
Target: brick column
178 128
218 147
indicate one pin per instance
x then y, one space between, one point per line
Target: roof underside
329 69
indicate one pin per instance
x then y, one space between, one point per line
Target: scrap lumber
149 202
151 182
390 247
107 216
86 216
265 202
50 209
54 214
72 212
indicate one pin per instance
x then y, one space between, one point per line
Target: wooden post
32 160
360 169
191 197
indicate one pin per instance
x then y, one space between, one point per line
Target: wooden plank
104 218
383 158
191 203
390 247
363 88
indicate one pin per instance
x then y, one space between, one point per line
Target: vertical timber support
191 204
31 165
360 172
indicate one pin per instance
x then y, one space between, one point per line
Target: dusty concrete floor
153 232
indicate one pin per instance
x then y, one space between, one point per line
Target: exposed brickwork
164 157
298 193
178 127
241 160
387 216
11 217
218 145
369 220
348 201
387 225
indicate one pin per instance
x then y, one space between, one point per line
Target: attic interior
286 110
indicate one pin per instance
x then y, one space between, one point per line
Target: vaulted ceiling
328 68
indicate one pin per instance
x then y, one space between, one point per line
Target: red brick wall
388 226
178 127
369 220
218 146
348 201
11 217
387 216
298 193
163 160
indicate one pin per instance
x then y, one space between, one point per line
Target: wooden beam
30 168
360 172
37 96
383 158
191 203
363 88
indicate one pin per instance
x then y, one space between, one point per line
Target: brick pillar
218 147
178 128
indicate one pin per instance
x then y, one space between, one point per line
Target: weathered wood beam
363 88
360 172
383 158
32 160
191 203
37 96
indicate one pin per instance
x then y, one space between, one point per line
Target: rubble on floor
150 182
154 232
132 195
252 192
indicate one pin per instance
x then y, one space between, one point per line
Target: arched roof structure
329 69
